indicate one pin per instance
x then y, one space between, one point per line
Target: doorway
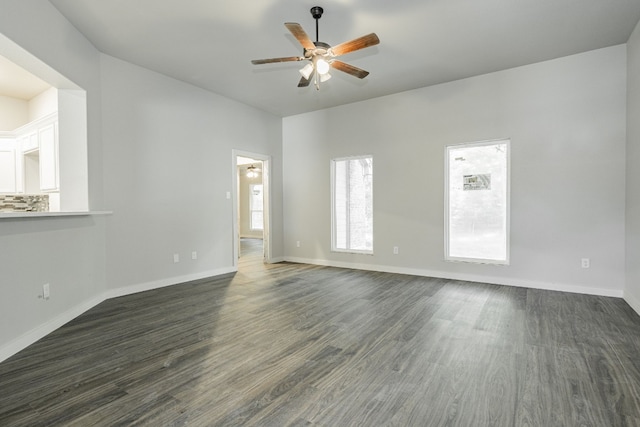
251 219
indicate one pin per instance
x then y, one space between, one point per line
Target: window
352 204
477 202
255 207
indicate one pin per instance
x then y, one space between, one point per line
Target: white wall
13 113
168 162
632 287
43 104
566 121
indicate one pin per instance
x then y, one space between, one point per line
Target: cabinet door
7 170
19 171
29 142
48 158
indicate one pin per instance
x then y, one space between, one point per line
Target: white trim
27 215
30 337
48 119
506 281
251 210
44 329
162 283
633 302
266 209
353 251
40 331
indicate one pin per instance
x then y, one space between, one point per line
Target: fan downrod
316 12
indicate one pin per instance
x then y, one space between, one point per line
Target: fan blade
349 69
300 35
356 44
272 60
305 82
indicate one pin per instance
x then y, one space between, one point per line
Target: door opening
251 206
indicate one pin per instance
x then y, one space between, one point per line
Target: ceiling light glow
322 66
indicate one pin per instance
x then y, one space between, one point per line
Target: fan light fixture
322 66
307 70
252 172
322 56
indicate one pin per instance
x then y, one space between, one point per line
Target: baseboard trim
39 332
44 329
632 301
162 283
465 277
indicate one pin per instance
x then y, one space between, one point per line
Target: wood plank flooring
292 345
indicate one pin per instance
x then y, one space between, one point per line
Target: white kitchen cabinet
19 159
29 158
48 158
29 142
7 170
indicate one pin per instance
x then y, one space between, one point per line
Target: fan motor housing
321 49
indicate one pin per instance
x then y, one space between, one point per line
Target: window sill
351 251
478 261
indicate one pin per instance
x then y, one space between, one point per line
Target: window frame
334 248
251 210
447 257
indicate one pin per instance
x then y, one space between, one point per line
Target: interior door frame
266 185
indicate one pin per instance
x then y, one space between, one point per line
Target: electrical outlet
297 243
176 258
194 255
45 291
396 251
586 263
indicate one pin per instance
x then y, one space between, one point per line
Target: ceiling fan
320 55
253 172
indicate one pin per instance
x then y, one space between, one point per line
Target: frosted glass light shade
306 71
322 66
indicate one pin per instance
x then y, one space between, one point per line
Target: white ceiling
16 82
209 43
240 161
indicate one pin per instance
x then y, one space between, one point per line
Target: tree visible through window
477 191
256 207
352 204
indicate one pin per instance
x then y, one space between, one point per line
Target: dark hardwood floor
292 344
